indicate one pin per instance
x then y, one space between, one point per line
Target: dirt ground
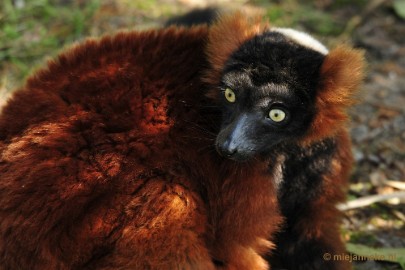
378 130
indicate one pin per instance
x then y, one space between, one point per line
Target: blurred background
33 31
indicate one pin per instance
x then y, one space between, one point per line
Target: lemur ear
340 77
225 37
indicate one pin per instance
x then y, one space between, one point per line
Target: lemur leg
314 181
245 215
89 218
164 229
244 259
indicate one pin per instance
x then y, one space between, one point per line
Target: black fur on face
267 72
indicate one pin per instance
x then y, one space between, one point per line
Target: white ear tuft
302 39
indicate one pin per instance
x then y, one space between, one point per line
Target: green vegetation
315 20
396 255
38 29
364 238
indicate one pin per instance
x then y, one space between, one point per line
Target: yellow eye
230 95
277 115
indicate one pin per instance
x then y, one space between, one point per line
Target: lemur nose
228 149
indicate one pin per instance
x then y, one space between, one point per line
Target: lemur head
276 86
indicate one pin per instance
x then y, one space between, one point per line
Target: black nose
228 149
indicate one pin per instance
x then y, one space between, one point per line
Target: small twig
395 184
398 214
368 200
392 211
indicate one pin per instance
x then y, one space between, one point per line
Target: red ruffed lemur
179 148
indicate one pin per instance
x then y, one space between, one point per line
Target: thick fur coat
310 170
107 159
107 163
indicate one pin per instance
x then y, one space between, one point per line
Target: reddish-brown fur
105 163
224 37
107 159
322 222
341 75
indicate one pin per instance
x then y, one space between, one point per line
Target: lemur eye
230 95
277 115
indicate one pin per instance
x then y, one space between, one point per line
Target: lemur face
268 95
